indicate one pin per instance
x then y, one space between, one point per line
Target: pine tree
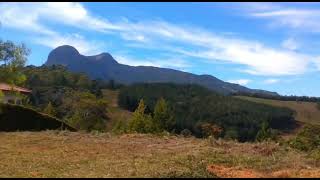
140 122
50 110
264 133
162 117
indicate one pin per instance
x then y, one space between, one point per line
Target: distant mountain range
104 66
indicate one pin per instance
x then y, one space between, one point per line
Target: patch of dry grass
76 154
307 112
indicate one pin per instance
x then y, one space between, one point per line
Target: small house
11 93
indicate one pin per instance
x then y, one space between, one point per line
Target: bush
120 127
307 139
231 134
141 122
211 130
85 111
186 133
266 133
1 96
50 110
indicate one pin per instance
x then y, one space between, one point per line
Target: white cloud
271 81
295 18
165 62
242 82
134 37
83 45
12 15
31 15
290 44
257 58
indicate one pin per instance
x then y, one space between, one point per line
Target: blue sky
270 46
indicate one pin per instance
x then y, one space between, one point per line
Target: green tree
1 96
141 122
83 81
162 117
50 110
85 111
264 133
12 57
307 139
120 127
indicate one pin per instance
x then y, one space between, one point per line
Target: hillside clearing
307 112
114 112
76 154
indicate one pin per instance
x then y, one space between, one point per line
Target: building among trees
12 94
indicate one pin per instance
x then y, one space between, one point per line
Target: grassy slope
114 112
307 112
75 154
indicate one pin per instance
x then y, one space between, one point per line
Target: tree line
193 106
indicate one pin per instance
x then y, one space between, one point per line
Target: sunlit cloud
242 82
190 41
271 81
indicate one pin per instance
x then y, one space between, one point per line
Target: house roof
8 87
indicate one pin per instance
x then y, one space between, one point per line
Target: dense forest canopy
71 97
193 105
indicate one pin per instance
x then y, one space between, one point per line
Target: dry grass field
307 112
77 154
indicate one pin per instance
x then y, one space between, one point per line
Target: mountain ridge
104 66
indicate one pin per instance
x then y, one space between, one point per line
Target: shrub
186 133
85 111
162 117
266 133
1 96
211 130
50 110
231 134
307 139
141 122
120 127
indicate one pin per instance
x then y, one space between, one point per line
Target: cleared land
76 154
306 112
114 112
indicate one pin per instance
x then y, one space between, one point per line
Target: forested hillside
71 97
192 106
